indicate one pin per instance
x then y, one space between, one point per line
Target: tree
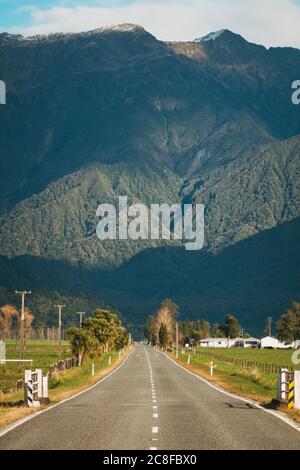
8 320
99 333
167 314
83 343
122 339
105 327
218 331
288 326
150 330
194 331
268 326
231 327
163 335
28 320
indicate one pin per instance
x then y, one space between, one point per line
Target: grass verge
61 386
248 383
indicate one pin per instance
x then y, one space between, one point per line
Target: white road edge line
34 415
245 400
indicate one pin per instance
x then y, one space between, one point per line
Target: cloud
268 22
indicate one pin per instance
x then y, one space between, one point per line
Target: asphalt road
152 403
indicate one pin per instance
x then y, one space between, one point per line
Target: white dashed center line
154 401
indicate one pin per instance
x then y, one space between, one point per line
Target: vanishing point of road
151 403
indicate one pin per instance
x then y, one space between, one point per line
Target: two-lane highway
151 403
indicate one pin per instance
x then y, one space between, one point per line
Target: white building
273 343
216 343
248 343
265 343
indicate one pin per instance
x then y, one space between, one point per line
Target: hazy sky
268 22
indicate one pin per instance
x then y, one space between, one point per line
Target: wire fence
35 333
245 363
53 369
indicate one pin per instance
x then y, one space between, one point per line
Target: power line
81 315
22 345
59 307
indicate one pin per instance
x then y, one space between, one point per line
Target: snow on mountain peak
211 36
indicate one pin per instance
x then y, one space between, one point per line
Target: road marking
154 413
28 418
237 397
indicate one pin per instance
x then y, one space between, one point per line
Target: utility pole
22 345
60 307
81 315
177 340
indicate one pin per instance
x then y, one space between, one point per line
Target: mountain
111 112
249 279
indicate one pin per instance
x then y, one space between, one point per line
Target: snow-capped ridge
211 36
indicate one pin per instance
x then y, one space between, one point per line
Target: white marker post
45 386
189 360
211 368
93 369
2 92
109 360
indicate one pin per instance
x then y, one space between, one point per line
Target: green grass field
266 356
43 354
62 385
251 382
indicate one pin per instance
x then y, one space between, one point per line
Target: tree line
101 332
160 329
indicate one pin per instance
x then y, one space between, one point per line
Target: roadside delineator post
35 387
288 392
189 360
211 368
93 369
109 360
291 397
45 387
283 385
297 389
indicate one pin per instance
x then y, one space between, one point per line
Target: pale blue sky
268 22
